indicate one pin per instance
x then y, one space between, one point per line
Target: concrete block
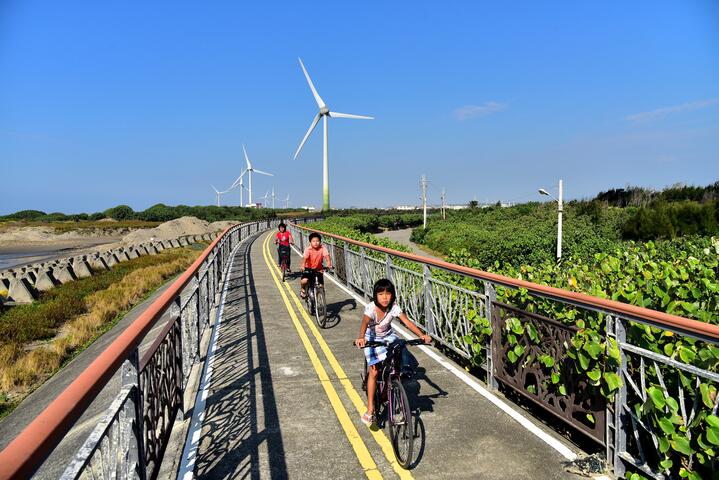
158 246
131 253
183 241
121 255
81 269
45 281
31 276
141 250
111 260
98 264
20 291
151 249
175 243
4 283
63 274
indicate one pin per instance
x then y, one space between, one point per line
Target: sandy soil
23 245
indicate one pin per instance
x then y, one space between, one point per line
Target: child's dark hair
315 235
282 225
384 285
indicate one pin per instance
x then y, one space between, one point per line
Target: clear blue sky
103 103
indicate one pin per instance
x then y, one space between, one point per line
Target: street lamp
559 217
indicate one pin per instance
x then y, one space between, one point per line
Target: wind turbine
241 184
273 197
287 201
218 193
264 202
324 114
250 170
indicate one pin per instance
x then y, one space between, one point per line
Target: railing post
366 288
388 262
427 287
130 378
489 299
348 264
620 399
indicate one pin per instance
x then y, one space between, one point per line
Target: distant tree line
156 213
641 197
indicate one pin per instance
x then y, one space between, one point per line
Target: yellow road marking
355 397
360 449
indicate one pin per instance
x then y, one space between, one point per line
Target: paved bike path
270 414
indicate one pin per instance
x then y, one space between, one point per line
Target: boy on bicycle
283 240
312 262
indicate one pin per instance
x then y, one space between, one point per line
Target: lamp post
559 217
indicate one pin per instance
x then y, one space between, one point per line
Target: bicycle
392 399
284 261
315 298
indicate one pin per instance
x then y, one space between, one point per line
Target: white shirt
381 327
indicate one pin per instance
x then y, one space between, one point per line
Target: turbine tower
287 201
241 184
324 114
273 197
251 170
264 202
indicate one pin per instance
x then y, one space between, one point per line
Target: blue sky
103 103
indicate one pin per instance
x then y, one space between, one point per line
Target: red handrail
696 327
22 457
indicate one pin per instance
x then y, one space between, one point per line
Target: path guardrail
131 439
448 312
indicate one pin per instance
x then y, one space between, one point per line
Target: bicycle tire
401 424
320 307
310 300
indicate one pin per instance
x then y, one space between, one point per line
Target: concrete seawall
24 284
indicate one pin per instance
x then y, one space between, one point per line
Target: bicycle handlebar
413 342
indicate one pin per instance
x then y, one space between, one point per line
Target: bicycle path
284 397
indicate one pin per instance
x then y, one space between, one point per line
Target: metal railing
131 439
429 291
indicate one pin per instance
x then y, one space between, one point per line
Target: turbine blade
213 187
262 173
349 115
318 99
247 159
312 127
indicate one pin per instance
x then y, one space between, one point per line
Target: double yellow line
348 427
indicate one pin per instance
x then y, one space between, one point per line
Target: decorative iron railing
450 313
132 437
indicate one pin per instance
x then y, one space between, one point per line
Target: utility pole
423 183
444 194
559 222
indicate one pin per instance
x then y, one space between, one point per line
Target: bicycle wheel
320 307
401 424
284 270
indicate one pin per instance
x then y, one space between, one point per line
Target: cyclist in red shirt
312 262
283 240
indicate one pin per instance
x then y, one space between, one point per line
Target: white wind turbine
250 170
324 113
287 201
239 182
218 193
273 197
264 201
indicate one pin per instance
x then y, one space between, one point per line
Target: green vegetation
36 339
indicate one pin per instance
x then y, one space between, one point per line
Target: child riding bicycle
312 262
377 326
283 240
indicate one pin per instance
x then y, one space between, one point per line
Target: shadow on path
238 431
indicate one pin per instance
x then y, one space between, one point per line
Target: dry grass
21 368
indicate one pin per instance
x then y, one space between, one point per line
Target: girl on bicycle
283 240
377 326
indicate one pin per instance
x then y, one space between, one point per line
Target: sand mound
222 225
36 234
176 228
169 230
